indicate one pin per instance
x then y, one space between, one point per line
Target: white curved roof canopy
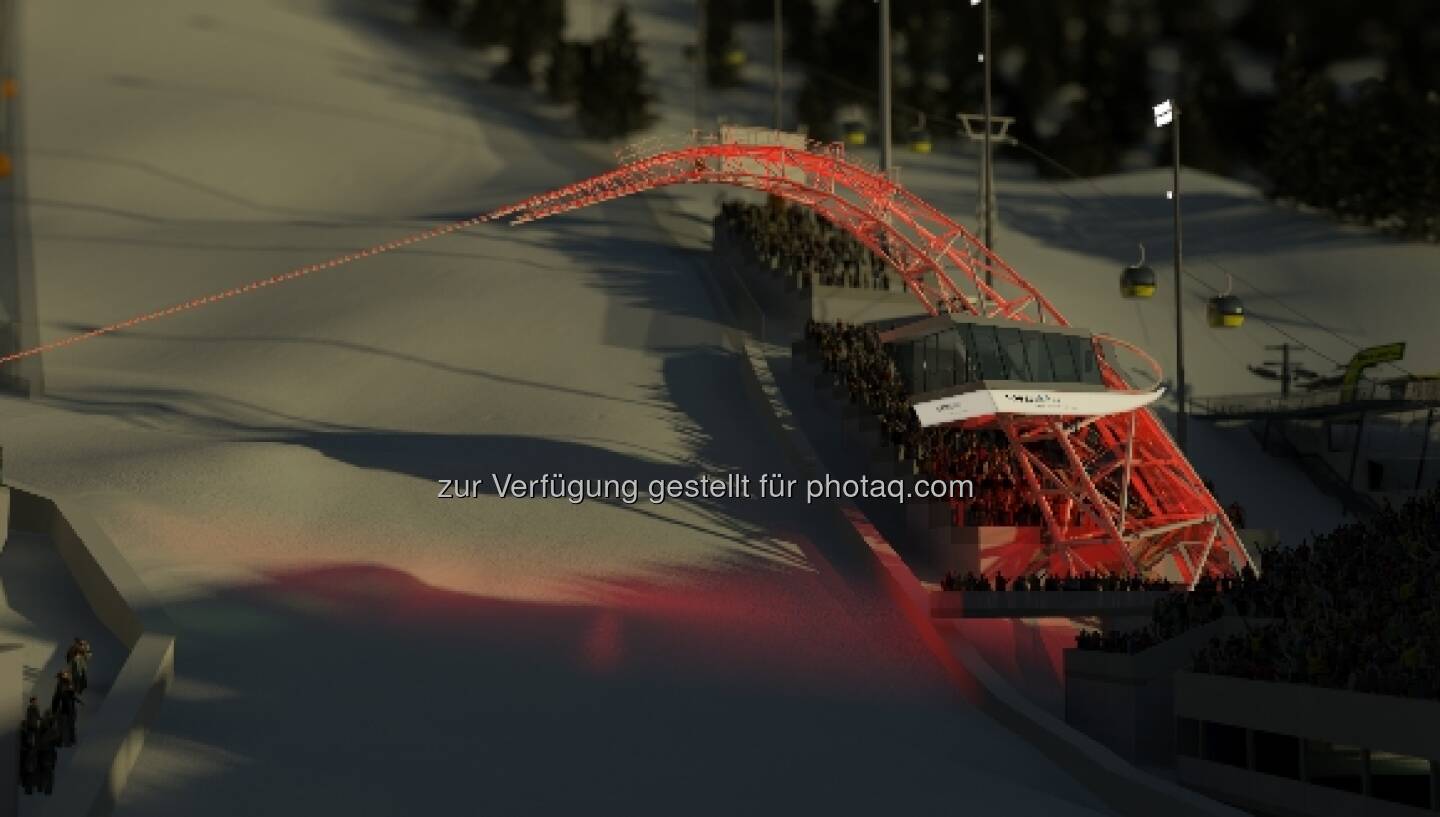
1024 399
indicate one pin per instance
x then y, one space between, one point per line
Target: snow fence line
1117 783
114 735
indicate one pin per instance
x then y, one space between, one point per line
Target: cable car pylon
1123 497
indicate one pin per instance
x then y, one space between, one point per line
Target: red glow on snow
602 643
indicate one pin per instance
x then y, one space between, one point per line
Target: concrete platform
1042 603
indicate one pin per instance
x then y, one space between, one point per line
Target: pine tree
1108 63
799 19
488 23
722 70
528 31
801 22
1301 141
562 75
1209 99
844 68
521 45
438 13
613 99
920 27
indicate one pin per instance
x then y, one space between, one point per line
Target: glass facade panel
1038 357
971 352
987 347
1084 352
927 363
1061 359
1334 766
908 360
1400 779
1012 346
968 365
945 360
1223 743
1277 754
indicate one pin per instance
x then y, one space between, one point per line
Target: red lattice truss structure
1115 491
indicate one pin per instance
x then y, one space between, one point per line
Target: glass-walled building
946 353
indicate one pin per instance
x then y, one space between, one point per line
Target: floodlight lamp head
1164 114
974 2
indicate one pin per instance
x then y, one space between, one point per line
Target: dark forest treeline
1078 78
606 79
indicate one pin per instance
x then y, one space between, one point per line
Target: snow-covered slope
349 643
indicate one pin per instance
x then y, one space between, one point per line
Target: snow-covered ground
352 645
349 643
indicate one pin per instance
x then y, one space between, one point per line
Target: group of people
1178 613
797 241
1090 580
1357 608
43 733
857 358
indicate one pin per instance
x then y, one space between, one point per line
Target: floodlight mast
1168 113
779 64
989 155
885 157
700 65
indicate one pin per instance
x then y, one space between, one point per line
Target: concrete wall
1127 702
1392 724
862 305
1408 726
1042 603
115 734
1279 797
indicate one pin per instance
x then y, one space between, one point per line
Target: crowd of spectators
1107 582
1180 612
855 356
797 241
1357 608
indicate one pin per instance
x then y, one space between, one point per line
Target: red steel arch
1083 472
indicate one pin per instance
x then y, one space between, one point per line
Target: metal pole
1284 370
1125 482
885 85
1424 447
779 62
18 255
699 63
1355 452
1179 313
989 182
